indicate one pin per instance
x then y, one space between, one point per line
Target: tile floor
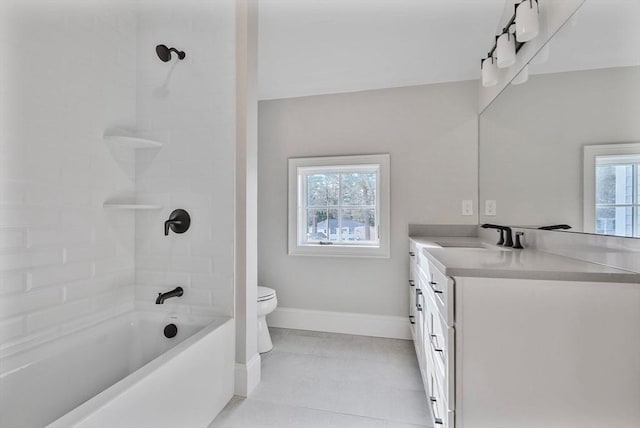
317 380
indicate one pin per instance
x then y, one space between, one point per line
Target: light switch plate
467 207
490 207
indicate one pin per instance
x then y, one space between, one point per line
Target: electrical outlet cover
467 207
490 207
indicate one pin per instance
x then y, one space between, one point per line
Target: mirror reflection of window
617 195
612 189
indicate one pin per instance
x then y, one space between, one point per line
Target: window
339 206
612 191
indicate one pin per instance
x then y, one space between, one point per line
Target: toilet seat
265 293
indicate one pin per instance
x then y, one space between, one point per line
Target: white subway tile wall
76 70
69 73
190 105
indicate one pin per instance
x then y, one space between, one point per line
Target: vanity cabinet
506 352
431 302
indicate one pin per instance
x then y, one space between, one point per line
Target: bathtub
122 372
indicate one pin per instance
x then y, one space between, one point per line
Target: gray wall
532 138
431 135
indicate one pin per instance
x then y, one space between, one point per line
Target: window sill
336 250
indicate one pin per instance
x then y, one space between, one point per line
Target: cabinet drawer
418 302
422 264
441 289
441 344
412 307
413 250
442 415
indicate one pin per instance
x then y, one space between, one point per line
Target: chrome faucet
506 236
176 292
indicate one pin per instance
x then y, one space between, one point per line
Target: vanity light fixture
521 28
489 72
506 50
527 23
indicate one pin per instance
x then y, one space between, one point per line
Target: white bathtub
122 373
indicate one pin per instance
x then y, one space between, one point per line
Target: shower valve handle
179 222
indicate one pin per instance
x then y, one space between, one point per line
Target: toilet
267 302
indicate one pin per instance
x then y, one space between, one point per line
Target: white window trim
383 202
591 152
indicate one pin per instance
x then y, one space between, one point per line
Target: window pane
614 184
332 230
315 219
321 228
358 188
614 221
322 190
637 181
359 225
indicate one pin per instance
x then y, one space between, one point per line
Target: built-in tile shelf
132 151
130 206
132 142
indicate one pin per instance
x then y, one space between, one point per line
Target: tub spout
176 292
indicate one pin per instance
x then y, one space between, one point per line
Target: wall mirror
561 144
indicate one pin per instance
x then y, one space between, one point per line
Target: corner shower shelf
130 206
132 142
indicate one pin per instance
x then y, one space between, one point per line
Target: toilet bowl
267 302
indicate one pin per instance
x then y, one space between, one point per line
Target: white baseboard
341 322
247 376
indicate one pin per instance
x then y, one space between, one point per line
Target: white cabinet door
551 354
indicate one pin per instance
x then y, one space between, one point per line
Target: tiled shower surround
77 69
190 106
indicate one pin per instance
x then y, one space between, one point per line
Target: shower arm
181 54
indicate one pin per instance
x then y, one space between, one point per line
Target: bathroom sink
472 245
462 245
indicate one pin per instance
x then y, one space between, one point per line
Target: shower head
164 53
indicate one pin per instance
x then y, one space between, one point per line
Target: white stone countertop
491 261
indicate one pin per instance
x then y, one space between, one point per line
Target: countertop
493 261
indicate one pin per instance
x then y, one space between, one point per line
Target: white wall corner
394 327
246 188
247 376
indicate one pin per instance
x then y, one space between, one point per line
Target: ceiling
601 34
312 47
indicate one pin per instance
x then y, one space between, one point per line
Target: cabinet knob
412 283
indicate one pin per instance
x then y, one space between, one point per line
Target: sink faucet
506 237
556 227
176 292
